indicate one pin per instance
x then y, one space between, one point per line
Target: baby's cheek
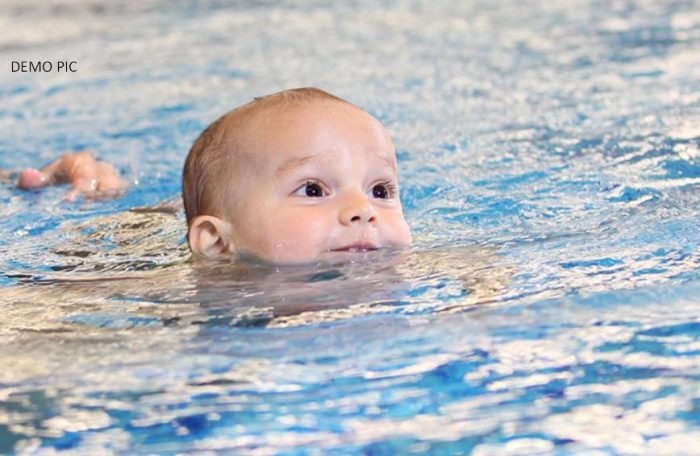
398 233
300 234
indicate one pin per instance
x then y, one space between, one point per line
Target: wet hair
221 147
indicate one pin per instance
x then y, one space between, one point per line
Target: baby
291 177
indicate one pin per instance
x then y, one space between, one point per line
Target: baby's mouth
357 247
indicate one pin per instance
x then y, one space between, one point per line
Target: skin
346 195
85 174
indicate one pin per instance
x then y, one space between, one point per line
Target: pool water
549 155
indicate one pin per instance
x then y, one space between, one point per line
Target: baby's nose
358 210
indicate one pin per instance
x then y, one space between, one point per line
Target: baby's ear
210 237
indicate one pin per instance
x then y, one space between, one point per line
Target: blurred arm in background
81 170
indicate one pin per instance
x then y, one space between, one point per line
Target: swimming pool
550 169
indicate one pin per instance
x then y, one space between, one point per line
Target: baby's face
323 181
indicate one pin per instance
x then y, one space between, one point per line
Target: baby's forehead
302 122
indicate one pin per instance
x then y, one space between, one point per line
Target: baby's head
293 177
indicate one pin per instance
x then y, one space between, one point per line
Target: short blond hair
220 147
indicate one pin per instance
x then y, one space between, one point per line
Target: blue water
549 155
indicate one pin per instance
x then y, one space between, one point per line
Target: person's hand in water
84 173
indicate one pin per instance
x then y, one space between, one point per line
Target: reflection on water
137 260
130 271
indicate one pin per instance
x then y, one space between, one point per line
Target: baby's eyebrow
389 162
295 162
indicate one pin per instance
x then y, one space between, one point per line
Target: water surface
550 169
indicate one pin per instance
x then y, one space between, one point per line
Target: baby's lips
31 178
358 246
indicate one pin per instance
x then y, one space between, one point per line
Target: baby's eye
311 189
384 190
